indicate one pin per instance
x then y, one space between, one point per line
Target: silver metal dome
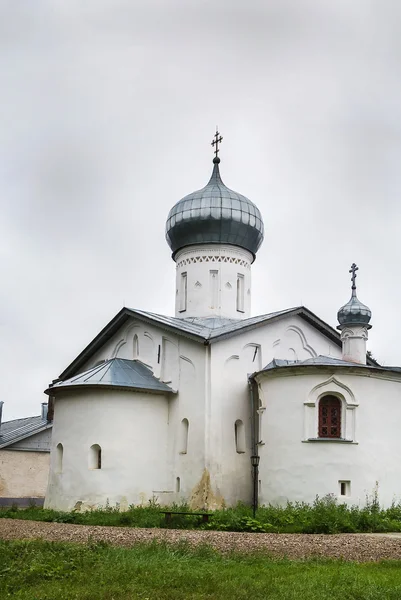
215 215
354 312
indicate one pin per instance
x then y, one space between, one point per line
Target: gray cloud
107 113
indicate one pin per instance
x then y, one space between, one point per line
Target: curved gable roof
114 373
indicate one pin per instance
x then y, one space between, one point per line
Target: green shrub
324 515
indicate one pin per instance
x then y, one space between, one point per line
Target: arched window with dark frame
330 417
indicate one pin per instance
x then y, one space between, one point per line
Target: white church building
173 408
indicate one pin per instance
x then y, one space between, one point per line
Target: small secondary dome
354 312
215 215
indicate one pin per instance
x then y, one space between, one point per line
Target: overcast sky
108 108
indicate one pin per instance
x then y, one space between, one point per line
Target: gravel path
358 547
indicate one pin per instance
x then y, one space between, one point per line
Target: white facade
207 468
193 441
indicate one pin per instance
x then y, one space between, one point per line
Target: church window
95 457
184 436
214 289
239 433
136 347
59 458
183 292
240 293
330 417
177 484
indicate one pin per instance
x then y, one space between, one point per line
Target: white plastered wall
131 430
293 468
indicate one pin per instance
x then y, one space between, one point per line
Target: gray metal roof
204 331
116 372
215 214
322 361
211 328
354 313
19 429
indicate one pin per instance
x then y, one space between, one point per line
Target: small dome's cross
217 140
353 270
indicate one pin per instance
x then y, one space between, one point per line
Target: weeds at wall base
325 515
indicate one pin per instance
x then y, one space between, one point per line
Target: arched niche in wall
251 357
293 345
135 346
331 387
183 436
239 435
238 366
124 348
95 457
58 466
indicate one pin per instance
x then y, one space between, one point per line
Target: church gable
166 353
290 338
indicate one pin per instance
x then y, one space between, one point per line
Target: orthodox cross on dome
215 143
353 270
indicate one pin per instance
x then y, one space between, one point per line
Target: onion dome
215 215
354 312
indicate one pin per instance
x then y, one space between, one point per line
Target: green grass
325 515
53 571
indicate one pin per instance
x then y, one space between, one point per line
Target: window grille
330 417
